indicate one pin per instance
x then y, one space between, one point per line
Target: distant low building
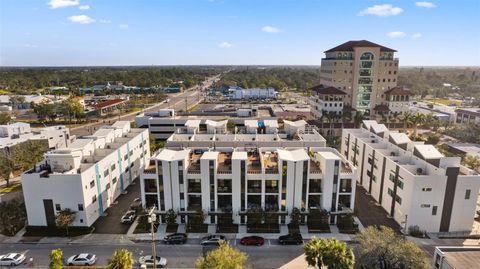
468 115
173 89
238 93
109 106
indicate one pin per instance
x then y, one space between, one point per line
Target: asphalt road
178 101
178 256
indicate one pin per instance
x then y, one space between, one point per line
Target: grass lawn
12 188
444 101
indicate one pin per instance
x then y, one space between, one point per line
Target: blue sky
182 32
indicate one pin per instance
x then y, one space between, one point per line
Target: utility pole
186 104
152 217
405 224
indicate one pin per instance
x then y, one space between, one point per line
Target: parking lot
110 223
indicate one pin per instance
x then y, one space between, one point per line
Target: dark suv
176 238
291 239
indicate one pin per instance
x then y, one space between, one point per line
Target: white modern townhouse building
87 176
223 172
413 182
163 123
19 132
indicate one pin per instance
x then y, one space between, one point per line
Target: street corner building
235 172
87 176
415 183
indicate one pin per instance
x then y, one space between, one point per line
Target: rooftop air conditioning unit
392 154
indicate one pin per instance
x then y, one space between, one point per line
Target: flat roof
172 155
400 138
210 155
80 143
429 151
293 155
239 155
192 123
329 155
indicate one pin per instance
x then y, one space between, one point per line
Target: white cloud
384 10
417 35
82 19
84 7
63 3
225 45
104 21
123 26
396 34
425 4
270 29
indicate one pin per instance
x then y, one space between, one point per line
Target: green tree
224 257
330 253
12 217
295 216
358 118
44 111
28 153
382 246
407 118
122 259
71 108
7 166
56 259
16 99
473 162
418 119
171 217
65 218
5 118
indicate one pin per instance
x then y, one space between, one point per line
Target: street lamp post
152 217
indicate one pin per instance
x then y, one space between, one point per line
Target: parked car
148 261
212 240
128 217
11 259
82 259
291 239
136 204
175 238
252 241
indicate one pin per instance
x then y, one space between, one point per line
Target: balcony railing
271 170
194 189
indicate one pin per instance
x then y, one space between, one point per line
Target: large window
254 186
194 202
150 185
194 186
271 186
254 202
225 203
271 202
224 186
315 186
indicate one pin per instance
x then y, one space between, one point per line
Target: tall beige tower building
363 70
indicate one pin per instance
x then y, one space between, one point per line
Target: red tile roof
320 89
109 103
348 46
399 90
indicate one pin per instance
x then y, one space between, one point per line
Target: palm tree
359 117
122 259
407 119
330 253
418 119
